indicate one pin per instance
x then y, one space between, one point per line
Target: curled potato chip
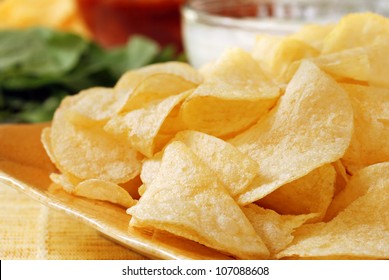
93 106
280 52
90 152
231 98
342 177
356 30
233 168
359 231
103 190
150 169
361 64
274 229
313 34
157 81
65 180
140 127
46 142
373 176
186 199
312 193
311 126
369 143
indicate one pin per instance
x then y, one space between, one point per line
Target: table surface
30 230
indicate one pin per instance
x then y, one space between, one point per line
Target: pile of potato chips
278 153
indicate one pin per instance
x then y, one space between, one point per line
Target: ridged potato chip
311 126
234 96
186 199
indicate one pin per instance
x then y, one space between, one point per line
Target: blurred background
50 49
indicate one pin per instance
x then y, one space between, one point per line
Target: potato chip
313 34
373 176
138 87
274 229
233 168
67 181
356 30
369 143
187 200
93 106
311 126
359 231
362 65
46 142
232 98
91 153
280 52
139 128
342 178
312 193
132 186
150 169
104 190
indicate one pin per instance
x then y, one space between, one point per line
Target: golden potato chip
93 106
311 126
233 168
313 34
46 142
362 65
140 127
187 200
104 190
342 178
359 231
373 176
312 193
232 98
280 52
150 169
356 30
91 153
274 229
370 140
132 186
138 87
65 180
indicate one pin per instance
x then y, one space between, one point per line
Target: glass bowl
211 26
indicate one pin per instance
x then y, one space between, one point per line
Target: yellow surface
29 230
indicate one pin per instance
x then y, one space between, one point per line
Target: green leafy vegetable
39 66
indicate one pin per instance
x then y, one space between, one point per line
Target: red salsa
112 22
